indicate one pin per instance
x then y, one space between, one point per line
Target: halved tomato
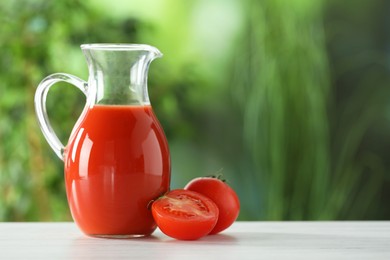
184 214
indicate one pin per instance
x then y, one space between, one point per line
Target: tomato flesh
185 215
224 197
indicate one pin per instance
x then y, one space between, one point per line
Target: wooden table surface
243 240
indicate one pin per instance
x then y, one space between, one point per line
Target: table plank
244 240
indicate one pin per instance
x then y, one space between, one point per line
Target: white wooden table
244 240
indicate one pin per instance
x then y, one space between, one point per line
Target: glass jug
117 158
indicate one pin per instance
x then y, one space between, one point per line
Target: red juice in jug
116 162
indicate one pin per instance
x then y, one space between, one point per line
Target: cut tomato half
184 214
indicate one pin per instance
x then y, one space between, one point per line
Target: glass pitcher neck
118 73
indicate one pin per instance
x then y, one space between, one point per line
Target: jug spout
118 73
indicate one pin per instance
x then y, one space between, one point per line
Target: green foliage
39 38
359 110
289 98
284 93
306 139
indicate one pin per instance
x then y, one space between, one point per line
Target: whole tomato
224 197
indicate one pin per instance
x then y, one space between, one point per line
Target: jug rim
120 47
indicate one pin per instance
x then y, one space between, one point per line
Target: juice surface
116 162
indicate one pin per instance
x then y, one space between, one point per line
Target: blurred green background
289 99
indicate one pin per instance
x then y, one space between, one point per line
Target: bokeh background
290 100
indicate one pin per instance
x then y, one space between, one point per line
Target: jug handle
40 107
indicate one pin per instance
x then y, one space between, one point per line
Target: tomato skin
184 214
223 195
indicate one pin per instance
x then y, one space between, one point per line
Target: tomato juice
116 162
